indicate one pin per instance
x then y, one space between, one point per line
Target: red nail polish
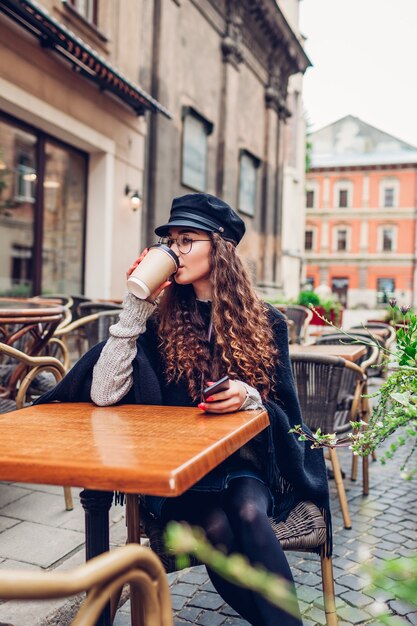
202 406
210 399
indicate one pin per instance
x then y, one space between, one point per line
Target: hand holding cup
142 291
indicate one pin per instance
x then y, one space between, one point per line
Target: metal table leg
96 505
133 536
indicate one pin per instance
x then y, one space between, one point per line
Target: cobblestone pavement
36 532
384 527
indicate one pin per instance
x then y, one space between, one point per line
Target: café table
157 450
351 352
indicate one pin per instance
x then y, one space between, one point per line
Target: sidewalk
37 533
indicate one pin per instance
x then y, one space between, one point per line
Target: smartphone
219 385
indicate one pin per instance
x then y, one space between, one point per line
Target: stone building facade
361 216
222 67
81 138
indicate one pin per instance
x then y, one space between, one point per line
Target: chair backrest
93 306
300 315
372 351
98 330
318 380
132 564
77 300
62 298
386 337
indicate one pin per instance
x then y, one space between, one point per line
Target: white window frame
85 8
248 189
388 183
335 237
380 237
207 128
338 186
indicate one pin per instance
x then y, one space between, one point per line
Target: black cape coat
295 472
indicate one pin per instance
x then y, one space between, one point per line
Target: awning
86 61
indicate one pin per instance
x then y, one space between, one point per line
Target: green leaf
402 398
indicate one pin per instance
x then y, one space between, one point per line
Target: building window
248 166
341 239
387 239
343 199
88 9
25 178
41 234
389 196
342 194
389 189
195 149
310 199
309 240
340 287
385 290
309 284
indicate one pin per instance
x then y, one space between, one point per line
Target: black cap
205 212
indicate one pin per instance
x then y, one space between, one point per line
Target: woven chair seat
303 530
6 405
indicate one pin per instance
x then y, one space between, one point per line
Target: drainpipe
414 264
152 136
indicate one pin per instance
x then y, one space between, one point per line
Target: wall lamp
134 197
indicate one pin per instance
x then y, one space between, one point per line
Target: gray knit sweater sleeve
112 374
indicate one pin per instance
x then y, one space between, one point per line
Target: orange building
361 214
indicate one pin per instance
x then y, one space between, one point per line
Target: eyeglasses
184 242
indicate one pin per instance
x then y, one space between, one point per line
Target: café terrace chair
19 373
386 337
301 316
304 530
70 342
366 361
319 379
100 577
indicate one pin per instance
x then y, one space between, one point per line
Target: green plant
307 298
396 401
17 291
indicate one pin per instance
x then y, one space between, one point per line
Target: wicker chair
304 530
20 373
385 337
301 316
101 578
371 355
319 380
74 339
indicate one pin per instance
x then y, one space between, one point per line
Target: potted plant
328 308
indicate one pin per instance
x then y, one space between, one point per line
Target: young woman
206 323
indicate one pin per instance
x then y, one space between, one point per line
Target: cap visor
162 231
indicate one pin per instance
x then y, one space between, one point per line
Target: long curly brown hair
244 345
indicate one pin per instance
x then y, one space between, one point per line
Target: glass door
63 220
18 185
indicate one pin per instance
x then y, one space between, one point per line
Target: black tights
237 520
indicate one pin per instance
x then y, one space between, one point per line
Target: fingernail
210 399
202 406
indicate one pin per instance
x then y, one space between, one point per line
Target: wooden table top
13 308
351 352
154 450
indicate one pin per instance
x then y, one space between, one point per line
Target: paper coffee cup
157 266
